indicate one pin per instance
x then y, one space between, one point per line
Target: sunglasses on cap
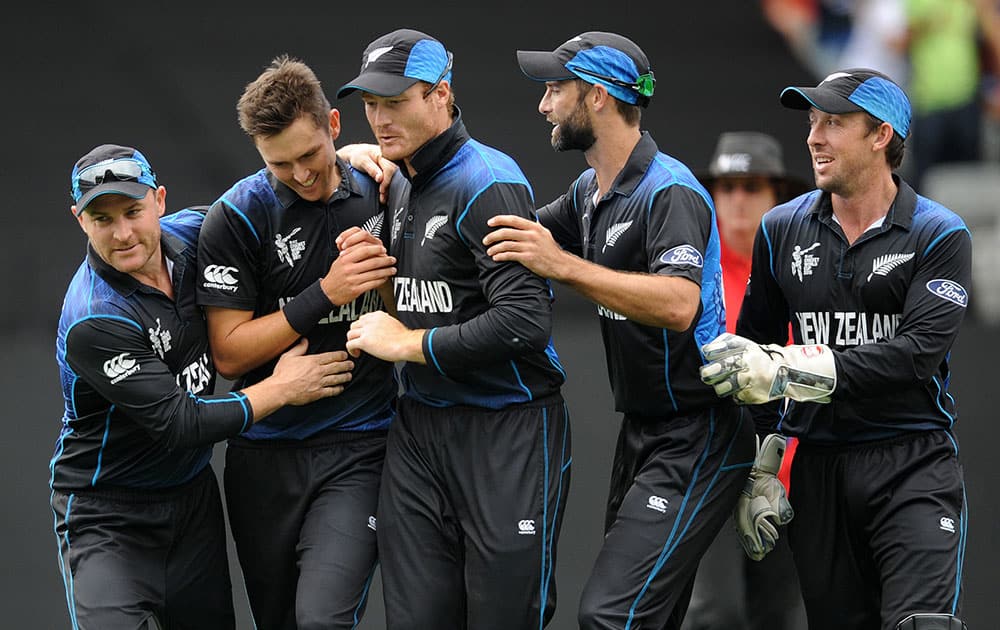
444 73
122 169
644 84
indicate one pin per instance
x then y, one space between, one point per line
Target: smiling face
125 232
563 106
302 156
842 147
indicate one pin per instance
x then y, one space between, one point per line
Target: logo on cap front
375 54
834 76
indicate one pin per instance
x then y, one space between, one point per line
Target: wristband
307 308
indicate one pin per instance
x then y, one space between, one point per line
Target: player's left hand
754 374
528 242
763 504
367 158
382 335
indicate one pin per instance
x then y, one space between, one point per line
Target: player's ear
160 196
334 123
883 136
78 217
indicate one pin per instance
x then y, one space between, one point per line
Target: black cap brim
824 100
135 190
377 83
542 65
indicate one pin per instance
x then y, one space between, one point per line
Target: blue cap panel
609 62
886 101
426 61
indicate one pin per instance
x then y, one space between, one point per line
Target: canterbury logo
372 523
947 524
657 503
433 225
120 367
882 265
526 527
374 225
614 233
219 274
375 54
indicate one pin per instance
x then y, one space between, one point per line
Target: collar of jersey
438 151
900 213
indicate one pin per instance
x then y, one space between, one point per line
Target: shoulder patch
949 290
685 255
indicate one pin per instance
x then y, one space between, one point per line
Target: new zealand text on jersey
365 303
847 328
422 296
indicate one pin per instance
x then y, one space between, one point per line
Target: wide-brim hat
750 154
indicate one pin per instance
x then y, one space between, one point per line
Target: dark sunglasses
750 186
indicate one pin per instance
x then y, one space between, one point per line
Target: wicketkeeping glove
763 505
755 374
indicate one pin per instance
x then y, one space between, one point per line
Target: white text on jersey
422 296
842 328
365 303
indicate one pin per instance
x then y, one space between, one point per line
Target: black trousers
302 515
128 555
674 483
879 530
469 515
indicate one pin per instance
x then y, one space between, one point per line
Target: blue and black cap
855 90
110 169
397 60
614 61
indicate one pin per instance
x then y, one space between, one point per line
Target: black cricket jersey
260 247
658 219
137 376
891 305
489 323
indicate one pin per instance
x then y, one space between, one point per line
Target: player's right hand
309 377
367 158
362 264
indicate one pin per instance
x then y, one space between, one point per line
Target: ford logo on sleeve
949 290
685 255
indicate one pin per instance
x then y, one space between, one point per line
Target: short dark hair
286 90
896 148
631 113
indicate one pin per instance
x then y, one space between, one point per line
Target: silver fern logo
433 225
374 225
614 233
882 265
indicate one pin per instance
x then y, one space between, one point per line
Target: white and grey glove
763 505
754 374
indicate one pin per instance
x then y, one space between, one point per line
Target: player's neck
610 153
156 274
860 208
